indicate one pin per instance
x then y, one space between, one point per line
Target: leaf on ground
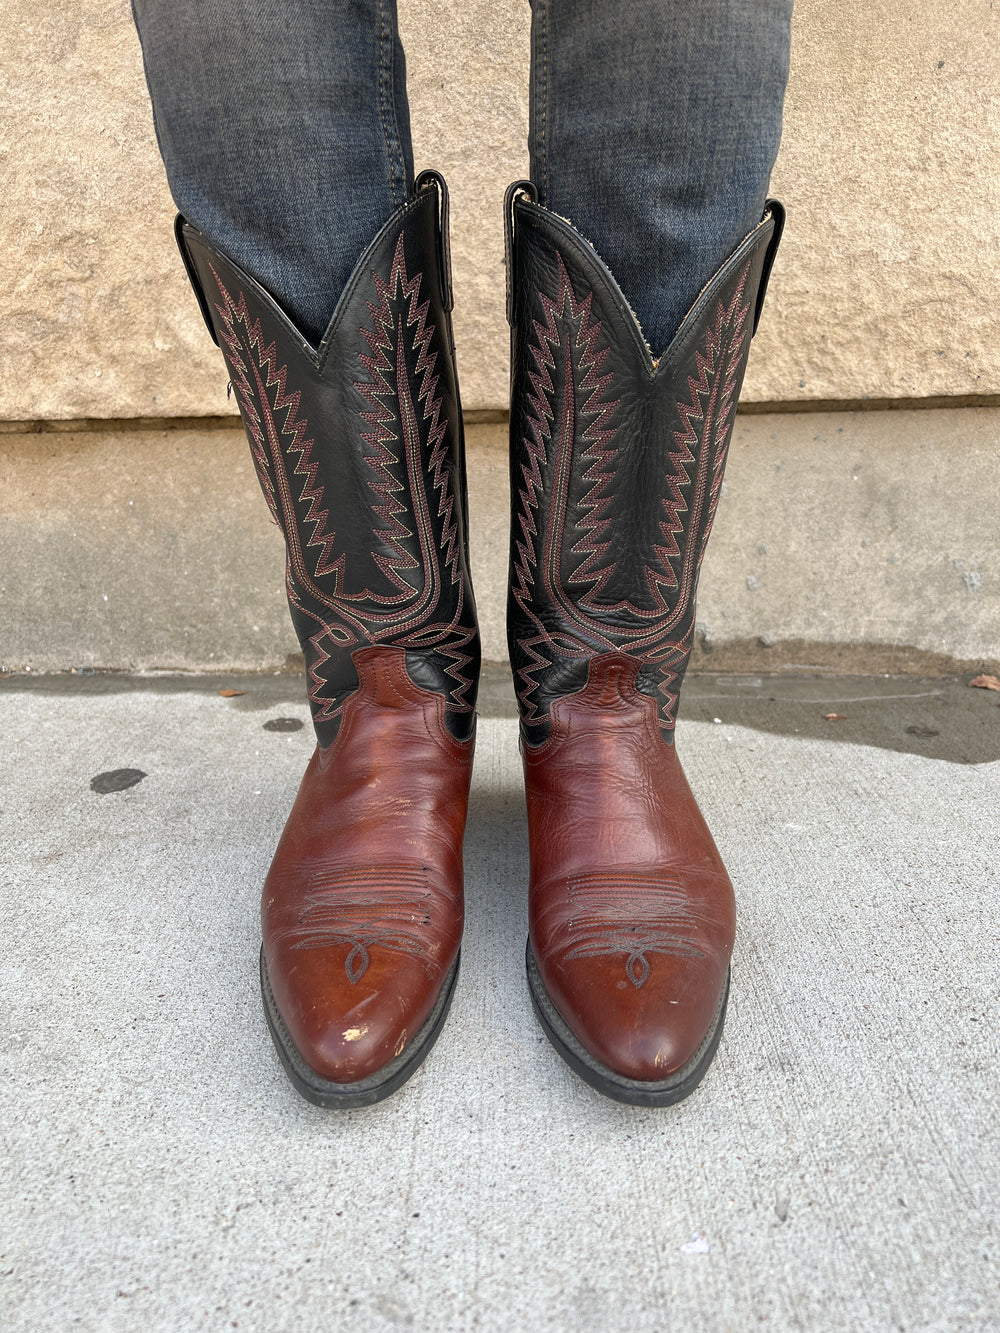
984 683
231 694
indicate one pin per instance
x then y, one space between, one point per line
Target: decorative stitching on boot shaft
397 577
617 469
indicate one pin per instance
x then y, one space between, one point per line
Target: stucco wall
885 287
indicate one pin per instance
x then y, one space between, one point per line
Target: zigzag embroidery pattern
316 572
567 339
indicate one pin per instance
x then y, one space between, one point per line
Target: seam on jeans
541 80
160 140
385 96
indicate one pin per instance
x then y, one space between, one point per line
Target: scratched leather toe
348 1032
362 908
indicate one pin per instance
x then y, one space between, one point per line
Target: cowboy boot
359 452
616 469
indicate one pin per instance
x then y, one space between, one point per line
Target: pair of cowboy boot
616 468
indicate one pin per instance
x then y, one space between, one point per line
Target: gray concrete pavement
840 1159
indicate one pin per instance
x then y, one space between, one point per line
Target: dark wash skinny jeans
285 132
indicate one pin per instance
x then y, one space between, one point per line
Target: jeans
284 130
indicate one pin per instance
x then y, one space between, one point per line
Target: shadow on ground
934 718
938 719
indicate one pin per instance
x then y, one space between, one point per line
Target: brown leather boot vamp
362 907
632 914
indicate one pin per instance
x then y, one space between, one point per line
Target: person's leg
654 127
285 133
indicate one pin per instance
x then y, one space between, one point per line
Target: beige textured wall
886 286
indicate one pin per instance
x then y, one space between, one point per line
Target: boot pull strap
517 188
777 211
426 180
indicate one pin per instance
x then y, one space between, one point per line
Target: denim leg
654 128
285 133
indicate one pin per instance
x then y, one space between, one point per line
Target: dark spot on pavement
117 779
283 724
923 732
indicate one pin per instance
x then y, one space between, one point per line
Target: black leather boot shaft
359 451
616 458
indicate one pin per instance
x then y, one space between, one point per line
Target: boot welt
366 1091
634 1092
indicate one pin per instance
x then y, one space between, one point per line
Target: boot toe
646 1032
348 1033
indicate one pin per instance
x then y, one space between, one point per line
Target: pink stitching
405 617
707 420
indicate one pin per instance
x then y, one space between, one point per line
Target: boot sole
366 1091
633 1092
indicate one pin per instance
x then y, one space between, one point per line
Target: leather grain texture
358 448
362 907
617 463
359 453
631 911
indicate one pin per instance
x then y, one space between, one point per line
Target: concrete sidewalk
840 1159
